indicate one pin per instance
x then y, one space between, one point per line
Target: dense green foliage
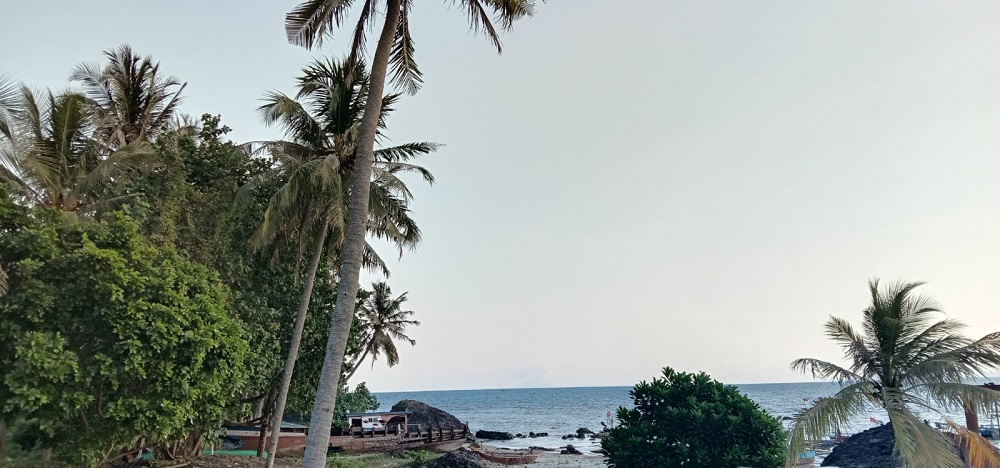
106 338
687 419
133 310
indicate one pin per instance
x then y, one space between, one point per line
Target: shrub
106 339
692 420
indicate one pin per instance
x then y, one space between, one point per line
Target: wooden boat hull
289 442
806 458
507 458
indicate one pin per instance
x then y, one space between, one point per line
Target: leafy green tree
313 163
383 321
687 419
306 25
109 342
904 358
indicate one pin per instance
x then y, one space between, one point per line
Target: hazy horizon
697 185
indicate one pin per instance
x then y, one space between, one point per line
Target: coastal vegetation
152 271
683 419
307 25
383 321
905 357
314 163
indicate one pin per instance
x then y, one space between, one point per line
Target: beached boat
293 437
806 458
507 456
366 432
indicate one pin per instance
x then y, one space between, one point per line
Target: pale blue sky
636 184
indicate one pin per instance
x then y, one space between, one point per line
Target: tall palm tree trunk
293 348
356 365
351 254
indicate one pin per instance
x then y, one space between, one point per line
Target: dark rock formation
583 431
570 450
428 417
542 449
868 449
461 458
493 435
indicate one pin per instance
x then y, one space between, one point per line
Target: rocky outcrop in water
428 417
868 449
461 458
493 435
570 450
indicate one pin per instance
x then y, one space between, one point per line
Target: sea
561 411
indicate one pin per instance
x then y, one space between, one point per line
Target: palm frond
825 370
308 23
405 73
125 165
406 152
828 415
963 361
919 445
978 451
957 396
360 37
855 348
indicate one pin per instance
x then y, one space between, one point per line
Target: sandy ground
546 460
551 460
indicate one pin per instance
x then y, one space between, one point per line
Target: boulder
570 450
493 435
583 431
461 458
541 449
428 417
868 449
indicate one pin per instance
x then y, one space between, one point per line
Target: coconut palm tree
904 358
131 99
53 158
321 123
383 321
307 25
8 109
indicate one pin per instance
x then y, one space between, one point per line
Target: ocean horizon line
569 387
989 379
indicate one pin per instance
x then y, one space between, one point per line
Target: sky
633 185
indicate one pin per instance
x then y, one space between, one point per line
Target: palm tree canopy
315 161
383 322
311 21
53 159
132 100
904 357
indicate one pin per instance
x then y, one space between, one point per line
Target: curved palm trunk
293 348
351 254
357 365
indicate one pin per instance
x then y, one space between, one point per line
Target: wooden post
971 418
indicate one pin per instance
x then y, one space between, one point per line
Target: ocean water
561 411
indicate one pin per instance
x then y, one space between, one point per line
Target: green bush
692 420
106 338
